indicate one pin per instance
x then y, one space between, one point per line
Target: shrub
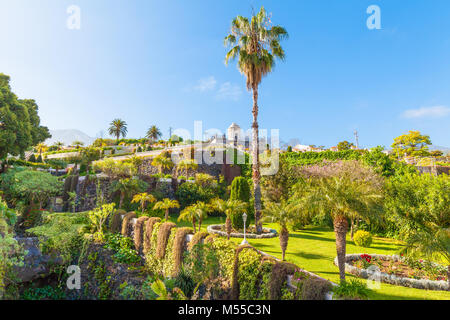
179 247
315 289
363 239
240 190
98 217
280 271
123 248
139 233
148 230
62 233
353 290
163 237
245 273
190 193
197 238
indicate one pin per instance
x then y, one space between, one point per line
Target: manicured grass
314 250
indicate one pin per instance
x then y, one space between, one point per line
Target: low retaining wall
216 229
390 278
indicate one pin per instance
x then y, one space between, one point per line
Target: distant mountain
445 150
68 137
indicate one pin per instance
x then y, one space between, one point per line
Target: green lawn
313 249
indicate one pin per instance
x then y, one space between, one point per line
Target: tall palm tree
163 163
256 44
166 204
189 214
281 213
342 198
153 133
185 165
118 128
228 207
143 199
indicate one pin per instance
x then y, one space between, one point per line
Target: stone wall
438 170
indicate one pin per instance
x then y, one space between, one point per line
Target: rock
36 265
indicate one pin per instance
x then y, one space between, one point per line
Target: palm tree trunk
167 214
255 162
284 238
352 229
228 227
193 225
122 196
340 229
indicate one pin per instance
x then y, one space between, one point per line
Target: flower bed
397 270
219 230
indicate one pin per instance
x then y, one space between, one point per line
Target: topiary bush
148 230
240 190
315 289
179 247
197 238
163 236
139 233
115 222
363 239
126 221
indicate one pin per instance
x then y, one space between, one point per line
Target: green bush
353 290
190 193
363 239
240 190
62 232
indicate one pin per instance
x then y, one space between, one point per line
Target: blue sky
161 62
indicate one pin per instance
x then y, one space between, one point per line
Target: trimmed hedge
163 237
179 248
148 230
126 223
139 233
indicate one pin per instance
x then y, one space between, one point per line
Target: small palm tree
162 163
201 210
282 214
342 198
185 165
126 187
166 204
153 133
256 44
59 145
118 128
228 207
189 214
143 199
77 144
41 147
